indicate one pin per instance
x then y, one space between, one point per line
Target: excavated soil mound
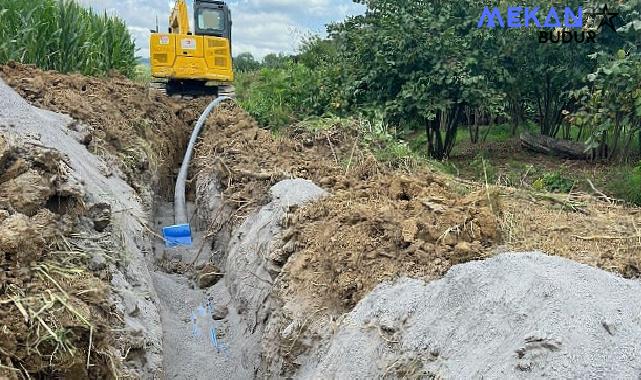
515 316
381 229
377 224
146 131
52 309
248 160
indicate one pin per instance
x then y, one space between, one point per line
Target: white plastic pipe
180 206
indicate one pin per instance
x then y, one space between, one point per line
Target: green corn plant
61 35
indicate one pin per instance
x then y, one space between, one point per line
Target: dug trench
248 189
293 236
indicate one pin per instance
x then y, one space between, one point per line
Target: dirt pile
140 132
377 224
248 160
516 316
54 311
381 229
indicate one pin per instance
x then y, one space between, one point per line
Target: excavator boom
179 19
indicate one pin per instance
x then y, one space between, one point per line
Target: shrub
281 96
554 182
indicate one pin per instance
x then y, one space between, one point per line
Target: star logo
607 18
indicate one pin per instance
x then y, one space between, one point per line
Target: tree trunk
550 146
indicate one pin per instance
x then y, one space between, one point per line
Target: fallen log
551 146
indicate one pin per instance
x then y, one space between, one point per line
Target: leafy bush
62 35
554 182
282 96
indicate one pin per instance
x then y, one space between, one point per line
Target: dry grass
603 234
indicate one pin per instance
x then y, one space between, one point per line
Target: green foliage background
425 67
62 35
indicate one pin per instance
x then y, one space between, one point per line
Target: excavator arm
179 19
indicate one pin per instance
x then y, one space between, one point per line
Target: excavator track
191 89
227 90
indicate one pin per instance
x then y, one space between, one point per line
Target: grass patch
625 184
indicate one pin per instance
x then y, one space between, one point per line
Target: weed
483 169
626 184
142 74
277 97
554 182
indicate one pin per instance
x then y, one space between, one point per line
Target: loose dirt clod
27 193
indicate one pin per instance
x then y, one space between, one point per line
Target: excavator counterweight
198 61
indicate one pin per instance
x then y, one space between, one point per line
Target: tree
420 63
276 61
610 109
245 62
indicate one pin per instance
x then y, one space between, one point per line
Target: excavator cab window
212 18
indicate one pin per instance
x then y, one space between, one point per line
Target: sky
259 26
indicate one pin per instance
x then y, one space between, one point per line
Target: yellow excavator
198 62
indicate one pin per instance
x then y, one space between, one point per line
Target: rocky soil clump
55 311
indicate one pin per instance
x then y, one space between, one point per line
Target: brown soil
50 304
378 224
145 131
381 229
249 160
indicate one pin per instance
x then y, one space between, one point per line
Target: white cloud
259 26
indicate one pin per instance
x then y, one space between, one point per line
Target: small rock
288 234
220 312
288 331
208 276
85 138
97 262
609 327
290 247
463 248
277 256
100 214
4 215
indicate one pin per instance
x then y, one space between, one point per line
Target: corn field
61 35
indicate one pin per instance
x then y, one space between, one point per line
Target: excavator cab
212 19
198 61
